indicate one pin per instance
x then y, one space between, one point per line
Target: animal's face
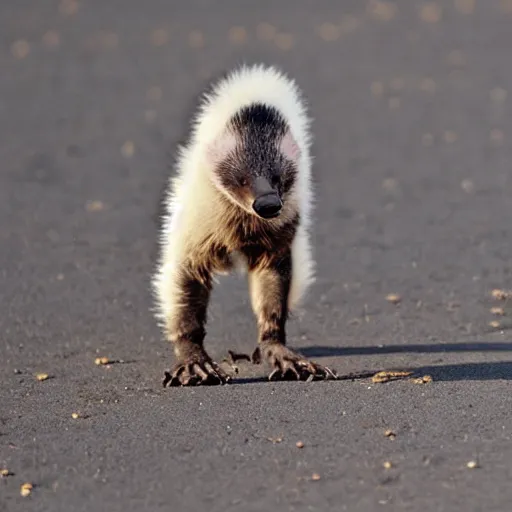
258 175
259 186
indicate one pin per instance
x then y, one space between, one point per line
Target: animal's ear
289 147
220 147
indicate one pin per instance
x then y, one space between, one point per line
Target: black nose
267 205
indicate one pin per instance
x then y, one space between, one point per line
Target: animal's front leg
270 287
185 293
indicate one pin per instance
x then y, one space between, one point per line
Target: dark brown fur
266 247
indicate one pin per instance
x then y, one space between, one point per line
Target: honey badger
242 196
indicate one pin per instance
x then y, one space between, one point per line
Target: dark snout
267 203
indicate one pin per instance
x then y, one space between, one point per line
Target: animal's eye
275 180
243 182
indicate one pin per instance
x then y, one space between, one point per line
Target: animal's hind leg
184 293
270 288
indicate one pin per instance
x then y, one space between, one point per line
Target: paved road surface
414 183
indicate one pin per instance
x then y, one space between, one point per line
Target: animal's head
255 161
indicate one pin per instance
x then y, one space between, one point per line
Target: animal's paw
196 370
288 365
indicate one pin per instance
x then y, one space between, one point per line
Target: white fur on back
242 87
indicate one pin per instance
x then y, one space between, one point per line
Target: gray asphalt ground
413 182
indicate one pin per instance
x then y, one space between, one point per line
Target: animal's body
242 197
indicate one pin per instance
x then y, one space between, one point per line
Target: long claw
195 372
175 382
216 373
292 369
167 379
274 373
221 374
309 366
287 363
198 368
331 373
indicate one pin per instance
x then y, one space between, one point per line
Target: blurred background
412 177
412 125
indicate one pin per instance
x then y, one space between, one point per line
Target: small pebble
494 324
75 415
387 465
500 294
472 464
299 444
315 477
393 298
26 489
42 376
497 311
390 434
5 473
423 380
101 360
